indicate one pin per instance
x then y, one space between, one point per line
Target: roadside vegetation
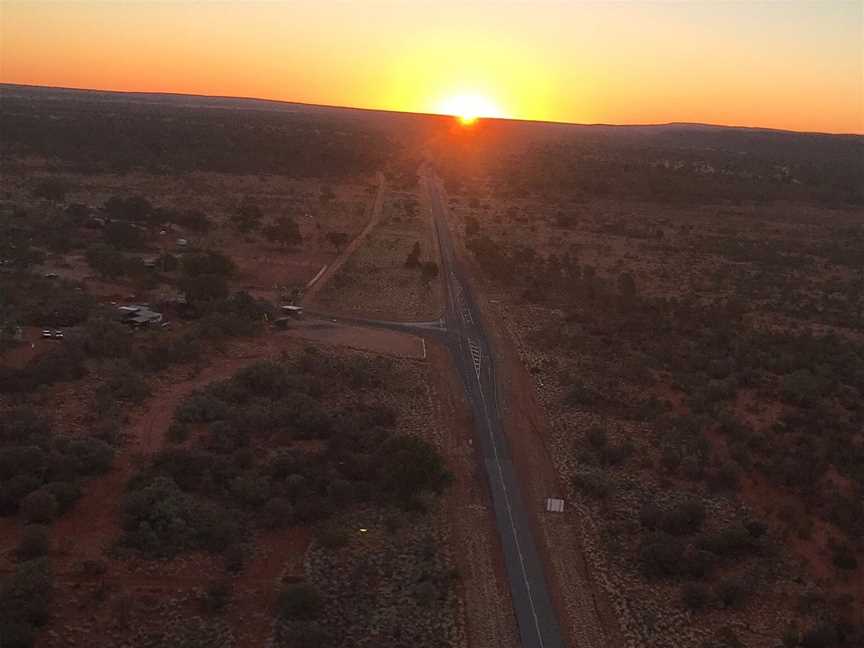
703 370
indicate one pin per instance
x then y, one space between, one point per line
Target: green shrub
160 520
409 466
66 494
39 506
332 536
661 556
17 635
732 592
26 594
695 596
300 602
277 513
218 596
595 483
34 542
683 518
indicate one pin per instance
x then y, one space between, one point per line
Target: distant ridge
277 105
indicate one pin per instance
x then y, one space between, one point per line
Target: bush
106 338
40 506
731 541
661 556
16 635
331 536
277 513
217 596
177 432
66 494
53 189
300 602
92 456
26 594
410 466
34 543
596 484
732 592
843 558
695 596
683 518
160 520
124 383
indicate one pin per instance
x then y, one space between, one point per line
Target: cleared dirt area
358 337
375 281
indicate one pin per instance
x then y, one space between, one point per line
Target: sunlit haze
791 65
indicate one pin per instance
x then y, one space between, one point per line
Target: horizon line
429 114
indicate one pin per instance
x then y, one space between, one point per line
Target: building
293 311
139 315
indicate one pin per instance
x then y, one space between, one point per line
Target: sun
467 108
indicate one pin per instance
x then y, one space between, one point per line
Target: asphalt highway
466 340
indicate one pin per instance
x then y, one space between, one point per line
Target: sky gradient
790 65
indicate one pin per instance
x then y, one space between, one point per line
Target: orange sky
781 64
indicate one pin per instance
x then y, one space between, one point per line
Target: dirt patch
358 337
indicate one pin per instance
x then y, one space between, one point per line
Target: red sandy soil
357 337
31 346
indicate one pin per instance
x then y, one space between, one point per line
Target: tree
77 213
107 261
300 601
337 240
248 217
204 288
428 272
209 262
39 506
285 231
133 208
194 219
413 260
124 235
627 287
34 542
410 466
53 189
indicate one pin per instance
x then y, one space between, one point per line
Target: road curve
466 340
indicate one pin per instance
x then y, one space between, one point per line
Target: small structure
555 505
139 315
292 310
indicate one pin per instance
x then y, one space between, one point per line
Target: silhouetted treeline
91 136
713 165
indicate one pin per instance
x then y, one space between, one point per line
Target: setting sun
468 107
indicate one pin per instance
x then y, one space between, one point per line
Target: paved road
538 624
